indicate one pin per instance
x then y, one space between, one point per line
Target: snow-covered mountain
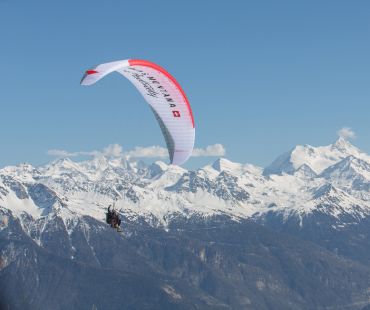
295 183
316 158
191 239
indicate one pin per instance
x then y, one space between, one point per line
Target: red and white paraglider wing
166 98
93 75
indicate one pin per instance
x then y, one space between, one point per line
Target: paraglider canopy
165 97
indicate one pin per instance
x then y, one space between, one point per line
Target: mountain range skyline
150 154
292 235
295 182
147 153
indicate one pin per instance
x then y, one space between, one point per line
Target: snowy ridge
317 158
298 182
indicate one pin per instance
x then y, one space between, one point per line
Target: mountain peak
157 168
317 158
305 171
62 164
223 164
344 146
350 168
62 161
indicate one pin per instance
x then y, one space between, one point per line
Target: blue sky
262 76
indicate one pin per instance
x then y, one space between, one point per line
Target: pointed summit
317 158
344 146
305 171
351 172
157 168
61 165
222 164
65 162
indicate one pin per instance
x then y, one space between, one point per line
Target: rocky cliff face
213 264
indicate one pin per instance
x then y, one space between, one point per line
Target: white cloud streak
112 150
211 150
115 150
148 152
60 153
346 133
